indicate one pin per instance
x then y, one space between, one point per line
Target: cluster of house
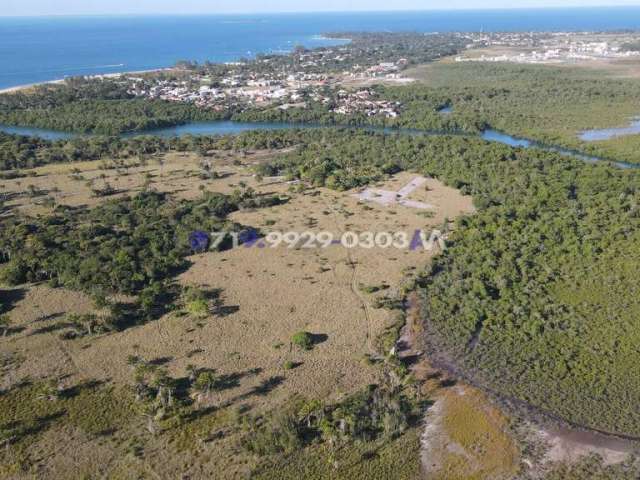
384 70
282 89
584 50
365 102
574 51
511 39
234 89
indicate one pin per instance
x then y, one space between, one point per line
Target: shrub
276 433
206 381
303 340
373 288
196 302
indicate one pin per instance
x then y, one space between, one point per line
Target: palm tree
140 375
165 387
205 383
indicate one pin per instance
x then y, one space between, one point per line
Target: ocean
38 49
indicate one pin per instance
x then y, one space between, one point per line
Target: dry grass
397 459
175 173
270 294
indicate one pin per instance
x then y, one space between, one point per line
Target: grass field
268 295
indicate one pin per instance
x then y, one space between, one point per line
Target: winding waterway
229 127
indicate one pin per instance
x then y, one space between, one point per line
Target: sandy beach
18 88
27 86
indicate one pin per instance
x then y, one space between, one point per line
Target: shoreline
27 86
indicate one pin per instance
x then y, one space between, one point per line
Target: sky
116 7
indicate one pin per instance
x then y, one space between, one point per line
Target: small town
241 90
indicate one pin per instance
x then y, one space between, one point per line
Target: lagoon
609 133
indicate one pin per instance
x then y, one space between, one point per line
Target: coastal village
240 88
321 76
242 93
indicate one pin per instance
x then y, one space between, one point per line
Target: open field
268 295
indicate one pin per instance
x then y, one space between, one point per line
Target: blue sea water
37 49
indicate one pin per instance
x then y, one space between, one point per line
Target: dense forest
94 106
549 104
121 246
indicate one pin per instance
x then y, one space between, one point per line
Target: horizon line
302 12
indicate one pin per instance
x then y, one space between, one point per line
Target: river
229 127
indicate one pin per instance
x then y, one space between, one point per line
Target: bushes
375 413
303 340
27 152
196 302
85 109
83 325
276 433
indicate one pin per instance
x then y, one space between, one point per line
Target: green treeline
95 106
109 117
20 152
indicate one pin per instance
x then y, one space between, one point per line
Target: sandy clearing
568 446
